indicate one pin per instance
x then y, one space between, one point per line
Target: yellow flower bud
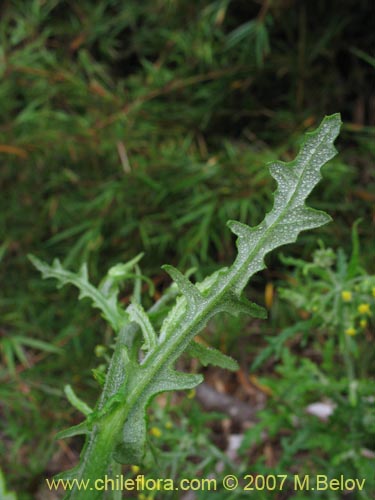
155 431
364 308
350 331
346 295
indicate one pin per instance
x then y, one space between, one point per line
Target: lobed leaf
118 425
108 304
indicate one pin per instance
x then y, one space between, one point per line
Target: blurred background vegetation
144 126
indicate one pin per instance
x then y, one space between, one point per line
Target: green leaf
276 344
106 303
131 448
75 401
75 430
99 376
289 215
39 344
241 33
185 286
240 305
209 355
118 426
120 271
4 494
139 316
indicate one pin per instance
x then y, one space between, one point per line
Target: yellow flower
135 469
155 431
364 308
363 323
346 295
191 394
350 331
168 425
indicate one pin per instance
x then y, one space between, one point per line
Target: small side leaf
209 355
76 430
241 305
75 401
139 316
120 271
186 287
173 380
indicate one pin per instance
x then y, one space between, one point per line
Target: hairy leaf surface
117 427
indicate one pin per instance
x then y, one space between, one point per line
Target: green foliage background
144 126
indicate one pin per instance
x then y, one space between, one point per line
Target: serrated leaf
289 215
130 384
209 355
107 304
